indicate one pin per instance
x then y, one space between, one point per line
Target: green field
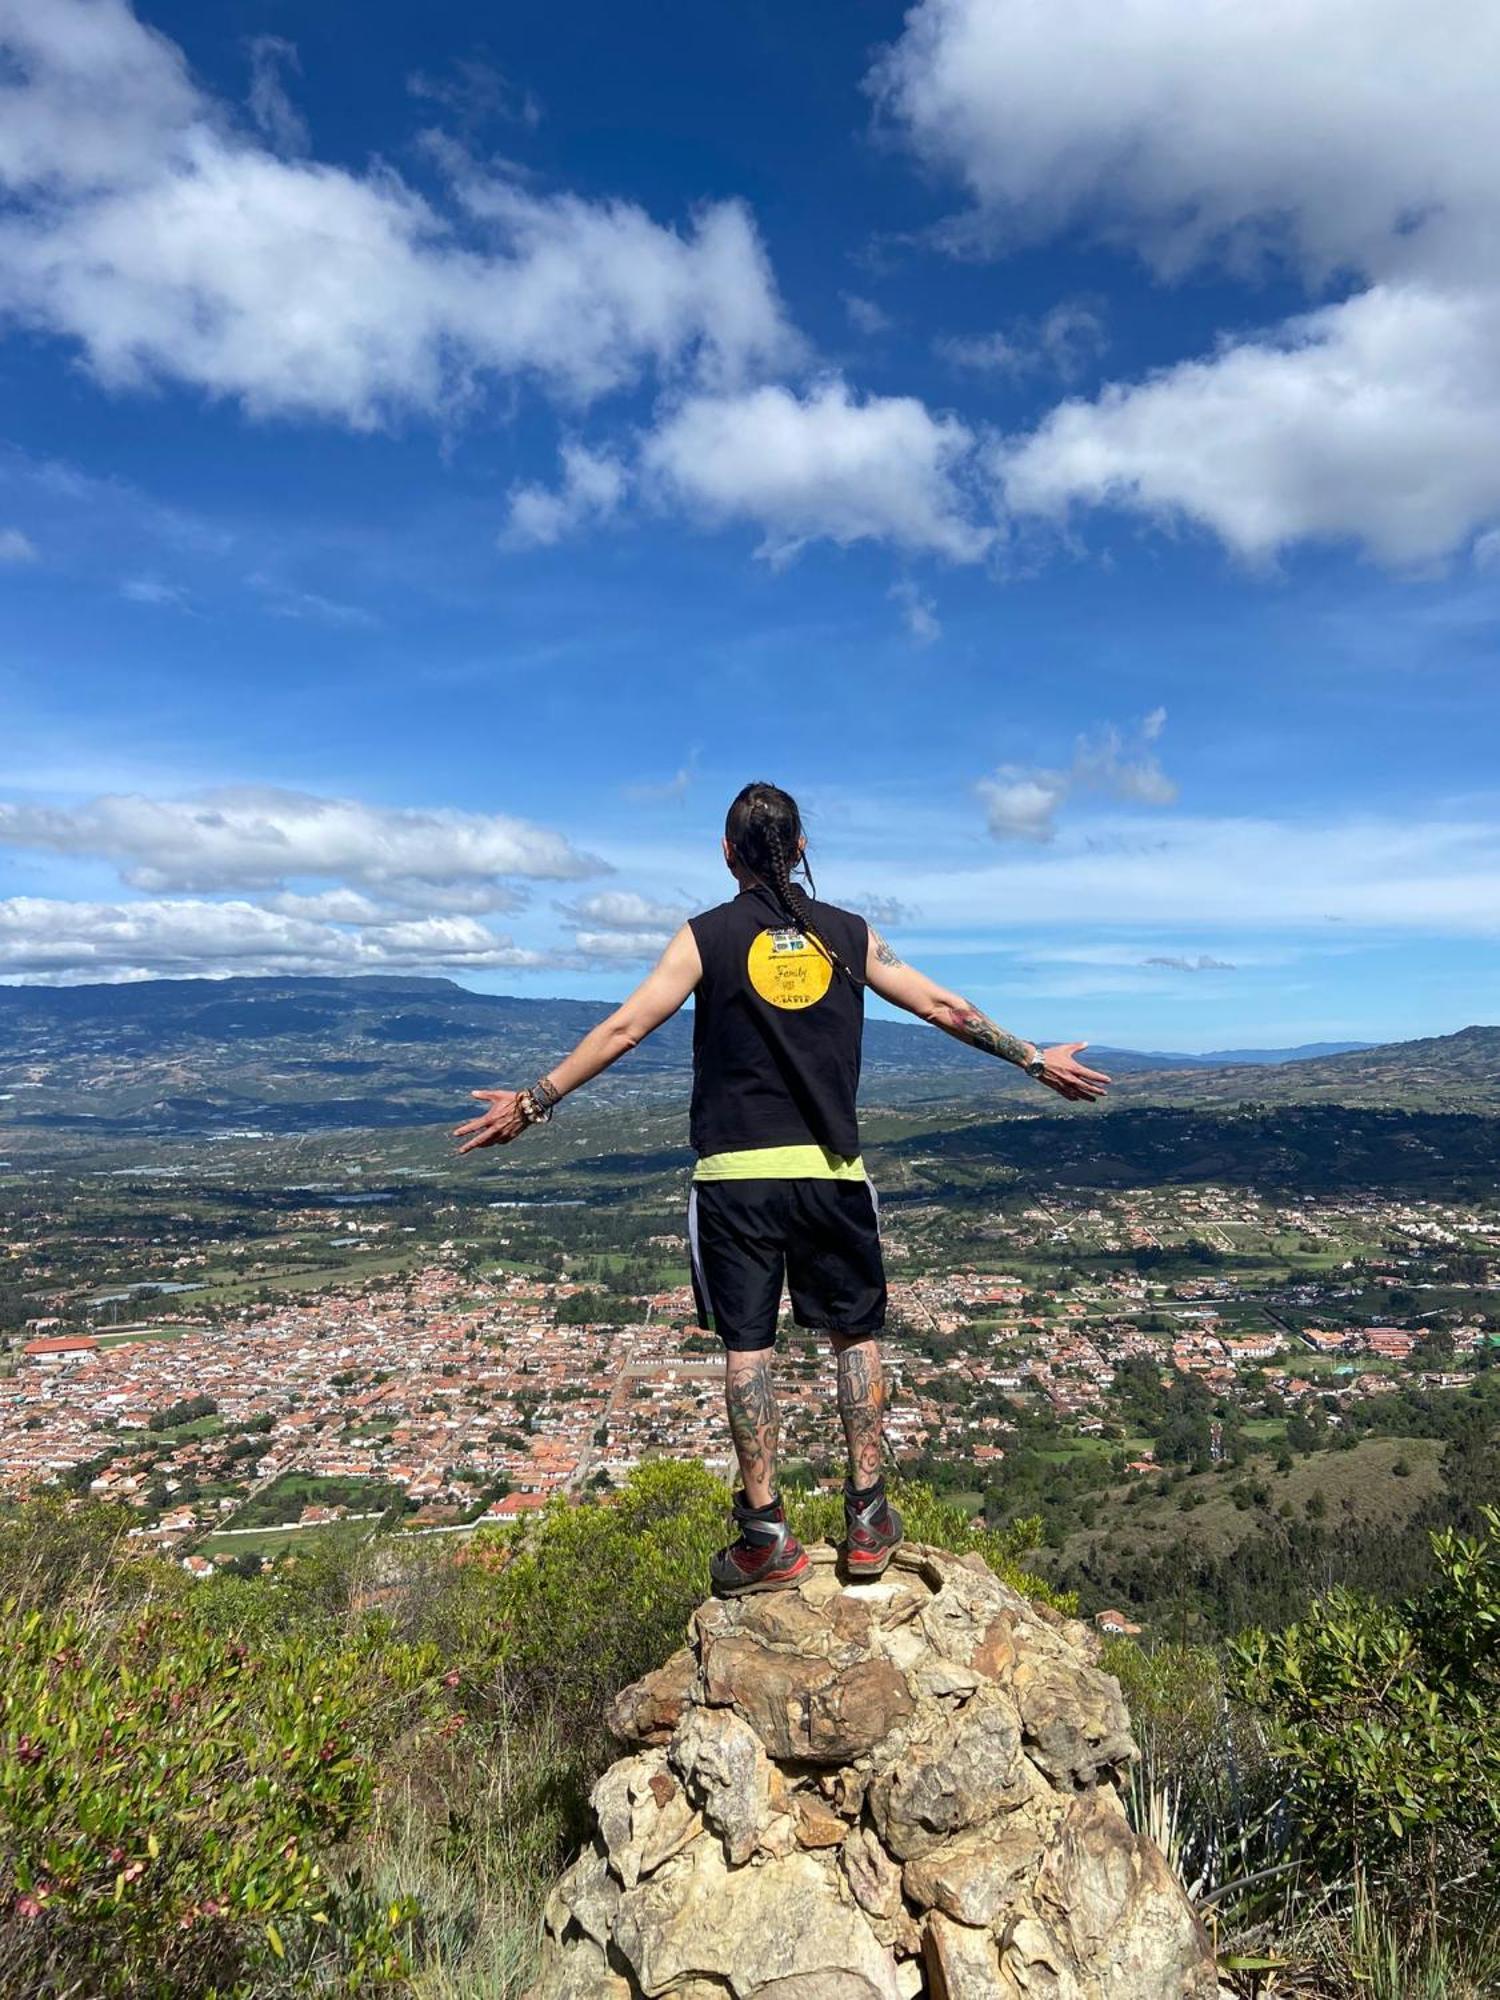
273 1541
1359 1483
234 1289
1265 1430
145 1333
277 1504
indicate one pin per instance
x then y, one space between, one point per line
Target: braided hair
764 827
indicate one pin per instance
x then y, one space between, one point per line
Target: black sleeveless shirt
776 1029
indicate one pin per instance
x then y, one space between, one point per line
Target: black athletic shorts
821 1236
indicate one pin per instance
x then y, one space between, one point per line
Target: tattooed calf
861 1397
752 1418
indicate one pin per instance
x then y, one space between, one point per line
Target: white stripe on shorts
693 1253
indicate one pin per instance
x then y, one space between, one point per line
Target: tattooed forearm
861 1402
752 1421
883 951
967 1024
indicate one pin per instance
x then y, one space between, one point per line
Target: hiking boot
767 1555
872 1534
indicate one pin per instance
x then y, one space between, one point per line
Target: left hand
495 1127
1068 1077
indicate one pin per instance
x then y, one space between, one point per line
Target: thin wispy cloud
284 600
918 612
272 60
16 548
472 92
865 315
667 791
152 590
1202 962
886 912
1022 802
1063 343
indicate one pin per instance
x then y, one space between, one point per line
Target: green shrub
54 1550
594 1595
170 1795
360 1771
1385 1718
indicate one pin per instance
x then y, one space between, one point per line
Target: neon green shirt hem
779 1163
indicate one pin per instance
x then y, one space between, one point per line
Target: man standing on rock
780 1194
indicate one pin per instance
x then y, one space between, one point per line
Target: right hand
1068 1077
495 1127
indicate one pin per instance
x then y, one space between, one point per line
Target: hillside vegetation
360 1772
320 1054
355 1773
1459 1072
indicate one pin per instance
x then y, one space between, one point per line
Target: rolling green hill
1459 1072
308 1055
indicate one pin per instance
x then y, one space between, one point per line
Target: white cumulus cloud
620 926
263 838
49 941
1378 419
625 910
143 225
1335 139
591 489
621 947
826 465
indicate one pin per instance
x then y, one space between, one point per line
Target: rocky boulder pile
873 1792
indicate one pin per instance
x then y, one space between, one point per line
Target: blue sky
445 452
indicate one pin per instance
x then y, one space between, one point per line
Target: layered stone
878 1792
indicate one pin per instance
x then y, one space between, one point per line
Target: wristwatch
1037 1067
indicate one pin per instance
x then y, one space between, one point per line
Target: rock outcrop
875 1792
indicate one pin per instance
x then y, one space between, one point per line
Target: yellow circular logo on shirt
788 969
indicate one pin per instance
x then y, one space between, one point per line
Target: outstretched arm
658 996
905 987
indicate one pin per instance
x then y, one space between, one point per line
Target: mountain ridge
105 999
307 1053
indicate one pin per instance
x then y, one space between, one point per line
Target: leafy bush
54 1551
358 1772
585 1598
1384 1716
169 1796
588 1597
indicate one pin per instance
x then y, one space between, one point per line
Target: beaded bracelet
531 1112
545 1094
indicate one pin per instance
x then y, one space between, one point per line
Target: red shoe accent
872 1535
756 1572
766 1556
